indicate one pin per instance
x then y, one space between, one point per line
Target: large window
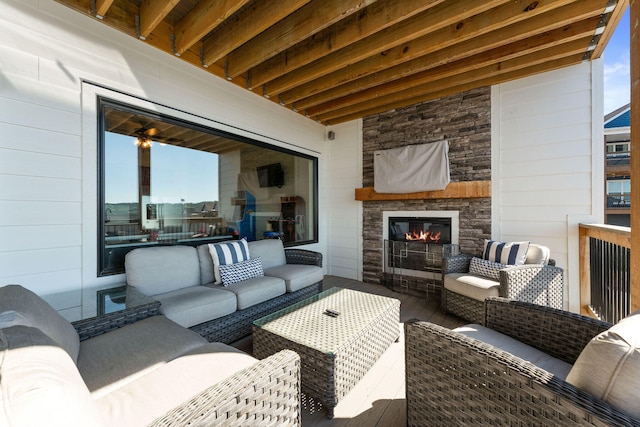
167 181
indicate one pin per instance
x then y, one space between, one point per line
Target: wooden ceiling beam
152 13
206 16
429 22
456 74
611 26
500 60
372 19
375 108
509 24
242 28
102 7
304 23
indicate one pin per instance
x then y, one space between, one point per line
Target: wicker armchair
536 283
454 380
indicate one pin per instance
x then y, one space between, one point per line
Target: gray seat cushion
20 306
163 269
109 361
139 403
296 276
270 250
472 286
196 304
40 384
256 290
504 342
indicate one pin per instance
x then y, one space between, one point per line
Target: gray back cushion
270 250
162 269
206 265
20 306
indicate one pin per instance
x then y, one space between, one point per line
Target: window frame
105 102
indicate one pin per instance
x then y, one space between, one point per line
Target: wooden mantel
455 190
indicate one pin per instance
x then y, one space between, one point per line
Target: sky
617 86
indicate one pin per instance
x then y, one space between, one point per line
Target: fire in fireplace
420 229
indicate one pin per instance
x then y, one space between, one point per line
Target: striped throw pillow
234 273
227 253
512 253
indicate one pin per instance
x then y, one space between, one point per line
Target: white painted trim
495 160
597 140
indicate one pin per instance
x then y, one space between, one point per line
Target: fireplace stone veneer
464 119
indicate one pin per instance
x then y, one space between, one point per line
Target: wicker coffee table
335 351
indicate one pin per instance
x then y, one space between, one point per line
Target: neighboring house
617 137
545 141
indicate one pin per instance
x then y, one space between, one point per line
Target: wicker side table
335 352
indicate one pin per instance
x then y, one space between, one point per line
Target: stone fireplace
462 119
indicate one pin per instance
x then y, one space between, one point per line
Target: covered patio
515 87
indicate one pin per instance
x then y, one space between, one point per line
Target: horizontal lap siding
345 174
544 145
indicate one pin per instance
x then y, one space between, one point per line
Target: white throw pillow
227 253
512 253
609 366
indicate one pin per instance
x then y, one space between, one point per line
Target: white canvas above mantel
412 168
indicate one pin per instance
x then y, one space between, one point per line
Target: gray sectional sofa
132 370
183 280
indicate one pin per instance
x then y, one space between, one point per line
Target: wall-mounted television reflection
270 175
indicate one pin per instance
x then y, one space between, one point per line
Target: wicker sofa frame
266 393
454 380
522 282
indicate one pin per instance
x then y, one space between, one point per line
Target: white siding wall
547 160
345 175
48 138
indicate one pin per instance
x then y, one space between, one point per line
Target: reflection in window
166 181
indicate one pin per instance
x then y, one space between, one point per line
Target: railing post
635 149
585 273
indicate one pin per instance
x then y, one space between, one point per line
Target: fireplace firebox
413 251
420 229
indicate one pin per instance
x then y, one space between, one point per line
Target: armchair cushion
609 366
512 253
471 286
517 348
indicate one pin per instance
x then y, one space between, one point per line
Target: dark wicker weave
234 326
138 307
264 394
533 283
336 352
454 380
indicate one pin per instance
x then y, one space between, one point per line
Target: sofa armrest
303 256
139 307
456 263
266 393
452 379
559 333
